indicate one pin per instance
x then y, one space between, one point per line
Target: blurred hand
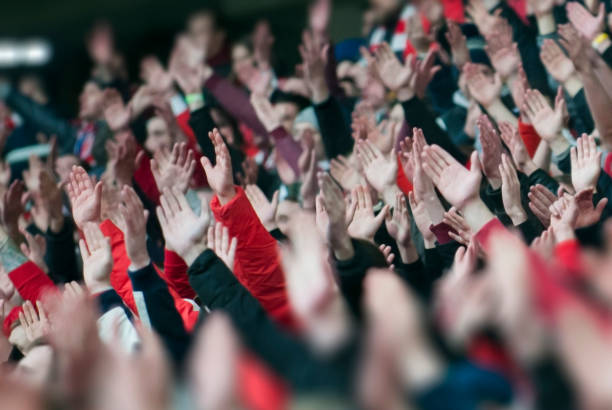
365 224
458 43
135 217
35 324
380 172
173 169
511 192
85 197
547 122
486 90
540 200
116 114
511 137
265 210
491 151
97 258
220 176
184 232
34 249
219 242
559 66
586 163
587 24
462 232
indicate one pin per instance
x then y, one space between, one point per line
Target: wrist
559 144
476 214
573 85
341 245
546 23
563 232
404 94
517 215
500 113
495 182
98 287
227 195
139 260
320 92
408 252
56 224
528 168
191 254
429 240
389 194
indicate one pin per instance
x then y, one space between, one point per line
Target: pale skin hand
314 57
34 249
540 200
35 324
458 44
173 168
123 158
398 227
485 90
12 209
379 171
547 122
556 62
587 213
511 137
456 221
365 224
423 186
393 74
585 160
116 113
422 220
135 217
564 215
502 51
265 112
491 151
308 169
265 210
332 218
97 258
511 192
345 173
85 197
587 24
221 244
185 233
220 176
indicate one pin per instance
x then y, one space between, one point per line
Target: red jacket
120 281
257 265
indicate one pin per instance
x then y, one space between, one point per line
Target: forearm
501 113
600 104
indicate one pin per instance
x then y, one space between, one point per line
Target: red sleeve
30 281
258 387
120 281
257 264
175 273
530 137
145 180
402 180
183 122
568 255
608 164
487 232
453 10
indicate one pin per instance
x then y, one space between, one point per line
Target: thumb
206 164
275 199
475 162
601 205
382 215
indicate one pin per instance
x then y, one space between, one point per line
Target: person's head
305 126
205 28
158 135
90 101
241 54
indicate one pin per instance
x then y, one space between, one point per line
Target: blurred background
141 27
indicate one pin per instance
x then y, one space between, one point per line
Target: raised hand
502 51
491 150
97 258
220 176
540 200
511 137
307 163
365 224
153 74
314 58
265 210
219 242
12 208
393 74
454 181
586 163
173 169
184 232
544 244
587 24
265 112
135 219
31 175
422 220
485 22
48 202
563 217
398 227
345 173
458 44
425 71
461 232
35 324
34 248
332 217
547 122
574 44
486 90
85 197
511 192
123 158
116 114
379 171
588 214
559 66
263 40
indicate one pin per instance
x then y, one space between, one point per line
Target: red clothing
175 274
403 182
257 265
530 138
120 281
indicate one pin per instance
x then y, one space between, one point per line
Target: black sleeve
418 277
493 199
61 254
607 56
352 272
417 114
335 132
541 177
151 294
43 118
219 289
